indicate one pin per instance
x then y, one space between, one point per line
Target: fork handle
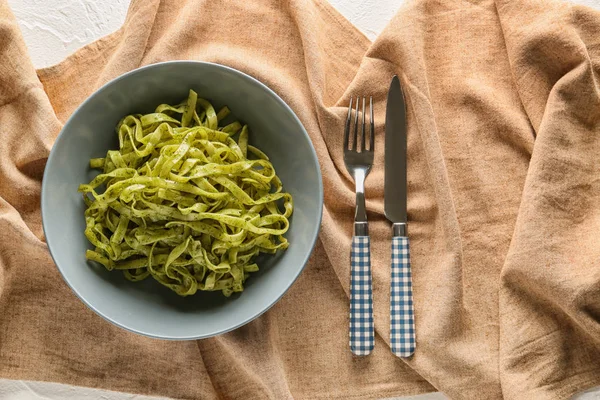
402 315
362 332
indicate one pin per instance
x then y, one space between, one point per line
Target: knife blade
395 154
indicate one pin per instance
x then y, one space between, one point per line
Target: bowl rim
284 288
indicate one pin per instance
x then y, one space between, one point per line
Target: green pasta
182 202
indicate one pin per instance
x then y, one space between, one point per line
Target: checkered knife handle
402 315
362 332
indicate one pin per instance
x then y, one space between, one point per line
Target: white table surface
53 29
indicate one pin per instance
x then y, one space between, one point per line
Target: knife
402 319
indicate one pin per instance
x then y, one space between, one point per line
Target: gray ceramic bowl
146 307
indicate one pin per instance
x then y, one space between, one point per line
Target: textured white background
53 29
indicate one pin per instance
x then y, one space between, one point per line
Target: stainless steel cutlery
359 160
402 319
358 157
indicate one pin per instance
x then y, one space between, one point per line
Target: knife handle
402 315
362 332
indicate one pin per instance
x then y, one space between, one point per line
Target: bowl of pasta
181 200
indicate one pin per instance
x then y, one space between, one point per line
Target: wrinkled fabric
503 105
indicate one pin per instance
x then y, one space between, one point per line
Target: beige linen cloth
504 202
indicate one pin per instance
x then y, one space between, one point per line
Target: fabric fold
550 292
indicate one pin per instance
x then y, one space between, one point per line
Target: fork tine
363 138
347 127
356 124
372 141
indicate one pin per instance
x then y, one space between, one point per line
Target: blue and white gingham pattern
362 335
402 315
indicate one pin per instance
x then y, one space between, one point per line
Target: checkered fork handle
362 332
402 315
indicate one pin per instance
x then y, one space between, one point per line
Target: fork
359 160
